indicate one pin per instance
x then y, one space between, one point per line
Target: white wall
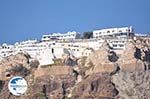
111 31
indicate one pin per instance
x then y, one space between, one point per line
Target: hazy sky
29 19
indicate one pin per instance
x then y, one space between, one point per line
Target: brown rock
105 68
19 64
131 58
100 56
96 86
53 70
51 87
132 85
102 60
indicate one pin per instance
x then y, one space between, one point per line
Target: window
114 45
120 30
113 30
108 31
121 45
125 34
44 37
99 32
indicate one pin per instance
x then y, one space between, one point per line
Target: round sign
17 85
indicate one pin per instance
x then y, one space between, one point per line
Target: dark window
121 45
120 30
114 45
108 31
52 50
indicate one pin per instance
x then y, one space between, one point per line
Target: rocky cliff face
96 86
135 85
130 60
102 75
102 60
19 64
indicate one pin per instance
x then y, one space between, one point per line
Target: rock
5 91
96 86
53 70
102 60
135 85
69 60
101 55
51 87
131 58
81 62
19 64
105 68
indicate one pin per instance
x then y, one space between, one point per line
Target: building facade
59 36
124 32
48 49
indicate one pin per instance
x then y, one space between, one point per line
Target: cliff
102 75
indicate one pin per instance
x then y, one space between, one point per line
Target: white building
6 50
45 57
141 35
48 49
123 32
117 44
58 36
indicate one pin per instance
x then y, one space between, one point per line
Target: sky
30 19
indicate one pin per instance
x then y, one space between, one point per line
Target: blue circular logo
17 85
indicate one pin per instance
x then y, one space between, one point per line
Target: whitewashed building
123 32
45 57
59 36
6 50
53 46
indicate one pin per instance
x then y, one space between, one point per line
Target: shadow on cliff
143 56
